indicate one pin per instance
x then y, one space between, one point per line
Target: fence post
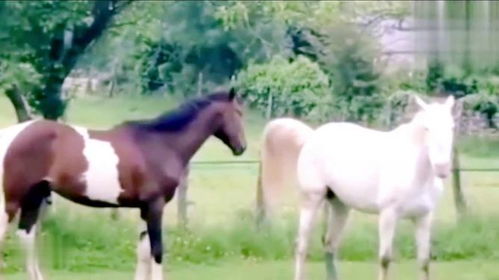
261 207
459 199
269 106
182 203
200 83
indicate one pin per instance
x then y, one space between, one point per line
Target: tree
199 44
50 37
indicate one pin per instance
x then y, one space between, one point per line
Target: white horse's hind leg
337 219
27 238
144 259
387 224
423 241
309 207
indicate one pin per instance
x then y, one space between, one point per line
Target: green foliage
68 247
51 36
485 104
23 73
295 87
347 55
200 43
31 40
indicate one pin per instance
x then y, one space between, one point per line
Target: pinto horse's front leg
143 270
150 247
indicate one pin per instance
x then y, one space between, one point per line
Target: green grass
277 270
79 242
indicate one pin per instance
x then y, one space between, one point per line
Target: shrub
294 88
347 54
485 104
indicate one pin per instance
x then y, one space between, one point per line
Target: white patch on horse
156 271
144 258
101 177
7 136
28 241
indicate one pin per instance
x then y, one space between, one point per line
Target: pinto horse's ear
420 102
232 94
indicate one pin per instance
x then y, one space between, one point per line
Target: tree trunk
52 105
62 60
19 103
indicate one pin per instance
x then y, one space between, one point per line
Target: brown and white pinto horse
135 164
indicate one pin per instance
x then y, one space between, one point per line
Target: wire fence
257 162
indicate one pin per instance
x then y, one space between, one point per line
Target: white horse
282 140
396 174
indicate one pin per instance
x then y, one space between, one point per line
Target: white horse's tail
282 141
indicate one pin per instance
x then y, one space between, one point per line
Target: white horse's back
356 164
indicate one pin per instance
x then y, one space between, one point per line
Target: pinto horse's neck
186 136
197 132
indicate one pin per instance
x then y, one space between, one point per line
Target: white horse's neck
412 137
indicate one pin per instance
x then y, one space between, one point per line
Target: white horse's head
438 123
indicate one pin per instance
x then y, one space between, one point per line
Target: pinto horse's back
283 139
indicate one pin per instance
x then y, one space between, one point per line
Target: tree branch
20 105
103 12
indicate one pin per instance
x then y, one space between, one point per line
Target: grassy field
272 270
79 242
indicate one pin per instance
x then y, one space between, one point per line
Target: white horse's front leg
387 225
423 241
309 207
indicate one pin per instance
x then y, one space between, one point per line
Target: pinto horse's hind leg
30 212
336 221
4 225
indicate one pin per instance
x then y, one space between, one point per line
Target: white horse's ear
450 101
420 102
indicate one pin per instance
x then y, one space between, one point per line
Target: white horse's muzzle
442 170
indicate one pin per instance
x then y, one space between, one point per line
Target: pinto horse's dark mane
180 117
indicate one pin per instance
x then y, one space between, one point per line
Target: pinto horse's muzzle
239 150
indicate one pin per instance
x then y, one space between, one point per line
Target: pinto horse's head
231 129
438 123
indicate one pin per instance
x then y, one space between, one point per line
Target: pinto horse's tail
283 139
